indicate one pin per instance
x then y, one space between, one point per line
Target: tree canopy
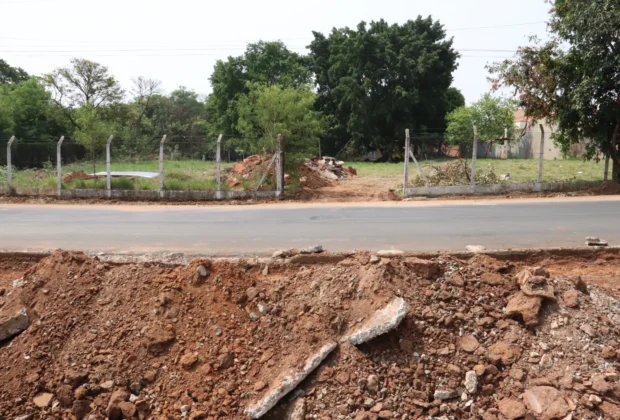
379 79
9 75
490 115
573 79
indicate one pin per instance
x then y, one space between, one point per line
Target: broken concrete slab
390 253
13 324
288 381
383 321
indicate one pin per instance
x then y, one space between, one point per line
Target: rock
511 408
443 395
504 352
372 383
546 361
595 400
317 249
113 410
546 401
150 376
19 283
283 253
251 293
202 271
225 360
254 317
75 378
390 253
287 381
600 385
266 270
25 417
198 415
610 411
13 323
579 284
158 339
427 269
471 382
188 360
469 343
264 309
127 409
259 386
594 241
343 378
475 248
43 399
516 374
538 286
64 395
80 408
571 298
385 414
587 328
492 279
107 385
480 369
381 322
297 411
527 307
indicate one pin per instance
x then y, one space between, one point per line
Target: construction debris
353 337
456 172
329 168
593 241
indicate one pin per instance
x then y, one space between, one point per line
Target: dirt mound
77 175
456 172
209 340
310 179
329 168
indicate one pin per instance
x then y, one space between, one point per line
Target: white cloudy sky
179 41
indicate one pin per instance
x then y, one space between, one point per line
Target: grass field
521 170
199 175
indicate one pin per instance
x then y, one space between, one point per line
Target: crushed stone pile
456 172
309 336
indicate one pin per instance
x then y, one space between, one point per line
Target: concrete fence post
9 164
542 154
107 166
161 166
474 158
59 165
606 175
406 180
279 167
505 143
218 160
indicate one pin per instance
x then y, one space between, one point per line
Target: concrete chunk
288 381
383 321
13 324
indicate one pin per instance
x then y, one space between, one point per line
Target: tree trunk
615 170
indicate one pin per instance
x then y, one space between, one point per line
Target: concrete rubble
13 323
383 321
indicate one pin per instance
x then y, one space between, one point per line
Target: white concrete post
59 165
279 167
218 160
9 165
606 175
542 154
107 166
406 180
505 143
474 158
161 166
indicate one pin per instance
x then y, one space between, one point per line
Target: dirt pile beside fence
482 338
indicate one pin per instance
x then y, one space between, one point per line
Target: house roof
519 116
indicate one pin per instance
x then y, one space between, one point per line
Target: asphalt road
247 230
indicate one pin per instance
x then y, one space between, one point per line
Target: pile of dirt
329 168
77 175
251 168
311 179
456 172
482 338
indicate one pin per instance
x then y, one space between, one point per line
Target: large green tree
491 115
267 111
268 63
573 79
379 79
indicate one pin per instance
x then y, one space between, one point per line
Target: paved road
243 230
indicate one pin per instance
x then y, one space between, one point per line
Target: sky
178 42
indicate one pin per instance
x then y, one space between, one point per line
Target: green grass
521 170
179 175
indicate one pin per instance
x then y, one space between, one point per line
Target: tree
93 132
490 115
11 75
573 79
84 83
268 63
271 110
380 79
